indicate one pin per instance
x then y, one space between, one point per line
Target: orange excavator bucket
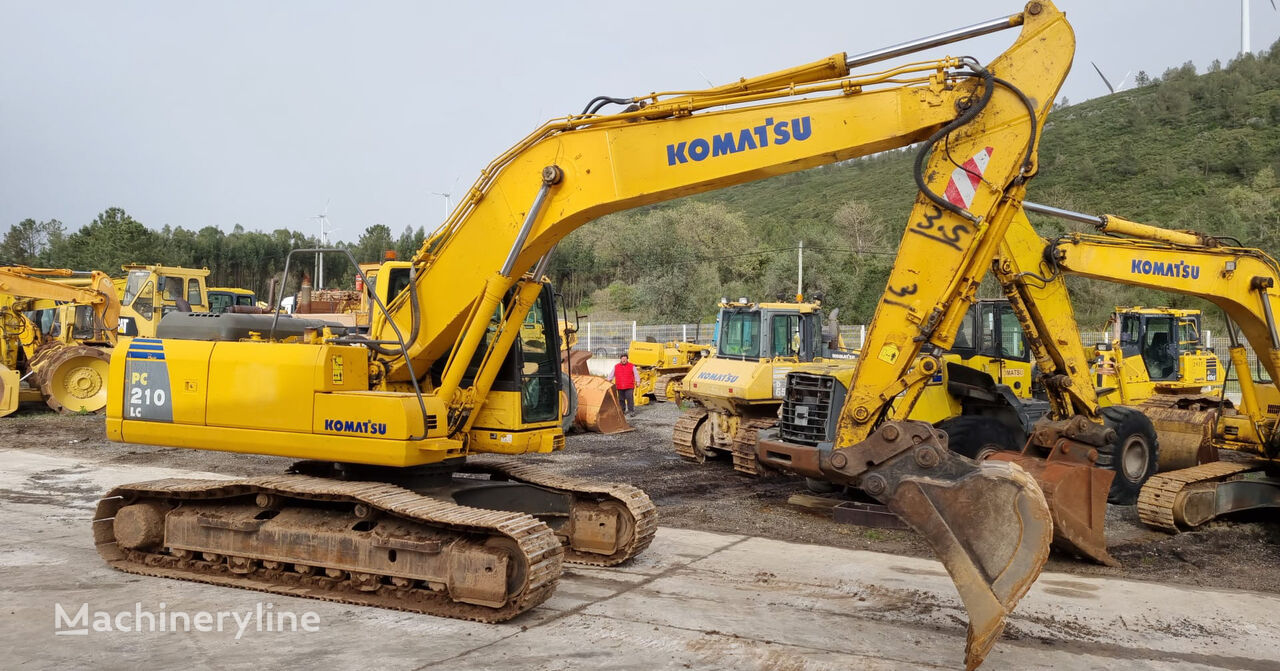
1074 488
598 407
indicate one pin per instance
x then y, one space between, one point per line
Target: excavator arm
42 284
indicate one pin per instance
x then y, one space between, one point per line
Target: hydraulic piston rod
941 39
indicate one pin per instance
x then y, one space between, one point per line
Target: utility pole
800 274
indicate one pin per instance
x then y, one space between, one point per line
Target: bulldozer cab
150 292
767 331
222 299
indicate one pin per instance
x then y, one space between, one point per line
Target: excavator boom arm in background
41 283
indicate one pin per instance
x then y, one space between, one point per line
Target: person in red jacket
624 379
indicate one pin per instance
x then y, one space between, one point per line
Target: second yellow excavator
391 505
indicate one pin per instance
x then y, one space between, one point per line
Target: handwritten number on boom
931 229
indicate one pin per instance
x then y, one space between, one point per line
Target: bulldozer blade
598 407
1076 494
9 382
991 529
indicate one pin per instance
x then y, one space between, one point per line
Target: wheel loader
65 364
399 499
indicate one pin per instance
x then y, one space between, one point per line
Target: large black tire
1133 455
977 436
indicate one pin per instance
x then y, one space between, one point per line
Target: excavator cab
526 392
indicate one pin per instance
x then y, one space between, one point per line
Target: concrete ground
694 600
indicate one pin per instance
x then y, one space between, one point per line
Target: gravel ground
1242 553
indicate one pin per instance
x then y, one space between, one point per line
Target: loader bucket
598 408
991 530
9 381
1076 494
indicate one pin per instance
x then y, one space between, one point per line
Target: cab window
142 302
193 292
133 286
740 335
1160 348
219 302
1012 346
966 340
1130 335
786 335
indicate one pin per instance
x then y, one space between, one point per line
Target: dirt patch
1242 553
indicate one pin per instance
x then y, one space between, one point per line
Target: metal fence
608 339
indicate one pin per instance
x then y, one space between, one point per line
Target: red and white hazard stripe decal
965 179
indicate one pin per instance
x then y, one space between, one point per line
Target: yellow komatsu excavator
65 366
383 422
1244 283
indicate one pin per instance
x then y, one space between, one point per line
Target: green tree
113 239
27 242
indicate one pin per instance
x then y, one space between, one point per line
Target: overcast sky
258 113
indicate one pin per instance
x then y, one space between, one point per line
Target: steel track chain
642 511
539 547
1159 495
682 434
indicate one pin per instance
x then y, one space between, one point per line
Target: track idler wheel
987 522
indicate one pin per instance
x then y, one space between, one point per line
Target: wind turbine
447 195
323 220
1113 89
1244 26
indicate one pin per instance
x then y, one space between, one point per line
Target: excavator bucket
598 407
991 529
987 522
1076 494
9 381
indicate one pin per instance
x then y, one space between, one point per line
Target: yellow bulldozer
738 389
58 330
383 421
662 368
